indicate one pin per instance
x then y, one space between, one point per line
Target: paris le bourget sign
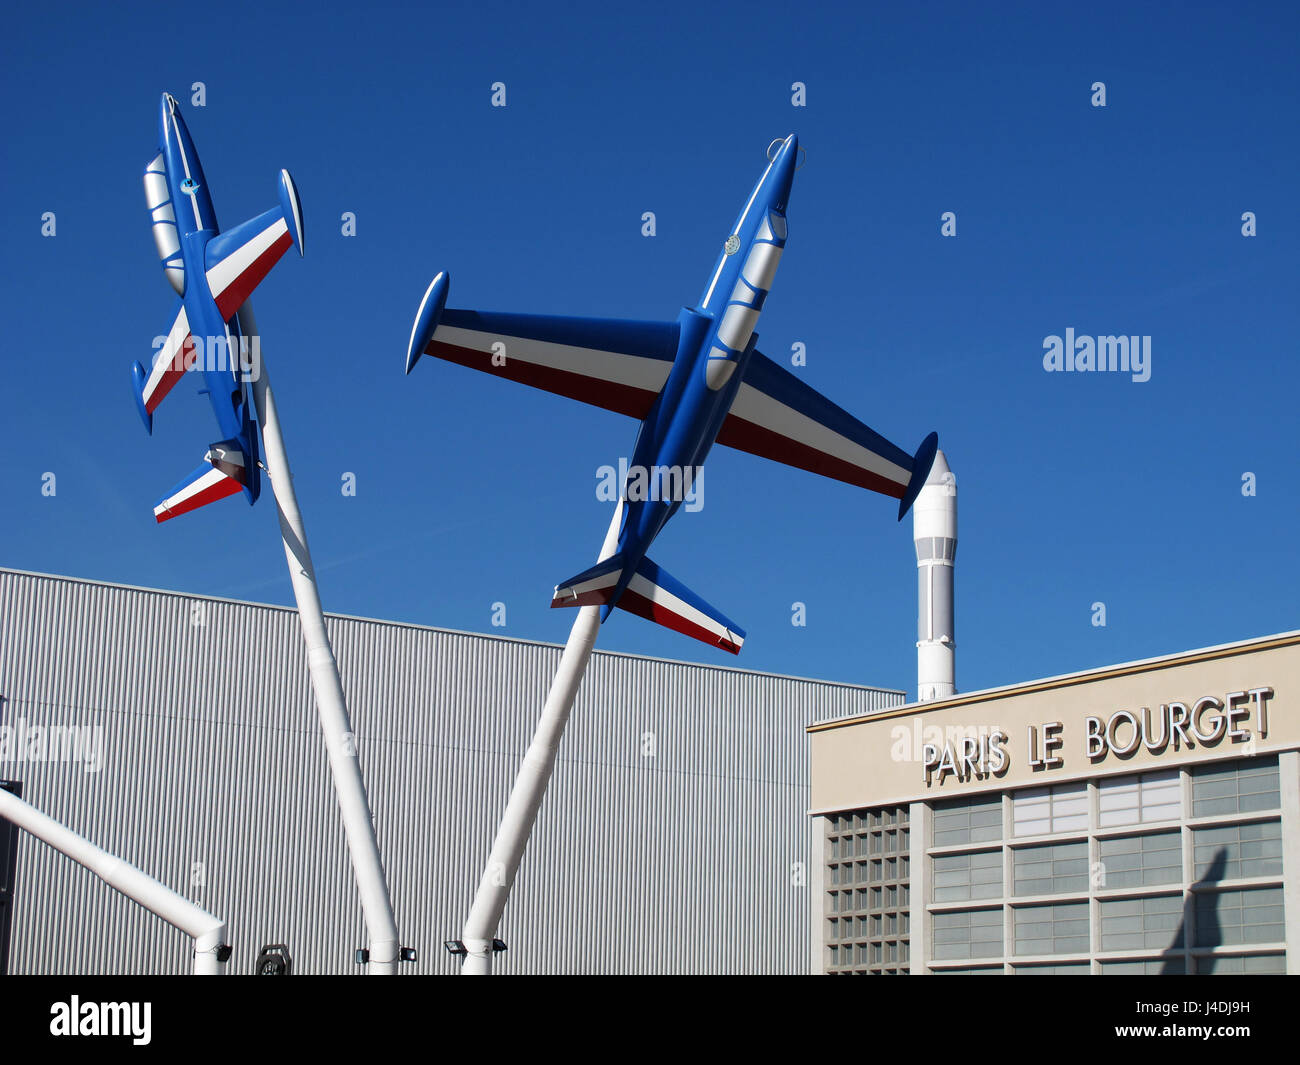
1237 718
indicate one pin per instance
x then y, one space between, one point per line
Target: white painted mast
530 784
207 931
934 525
358 825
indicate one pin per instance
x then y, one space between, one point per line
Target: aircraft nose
783 168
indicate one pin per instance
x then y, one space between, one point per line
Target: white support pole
207 931
367 865
530 785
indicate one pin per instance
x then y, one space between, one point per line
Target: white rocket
934 531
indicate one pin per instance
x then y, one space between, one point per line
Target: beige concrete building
1141 818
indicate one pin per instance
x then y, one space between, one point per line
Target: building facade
179 733
1143 818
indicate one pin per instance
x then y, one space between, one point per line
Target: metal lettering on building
1237 717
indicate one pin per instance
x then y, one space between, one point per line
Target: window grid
1139 800
867 905
1237 851
1147 900
1148 860
1049 810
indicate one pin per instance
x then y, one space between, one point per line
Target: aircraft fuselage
716 339
217 342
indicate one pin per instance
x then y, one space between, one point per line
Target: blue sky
1074 489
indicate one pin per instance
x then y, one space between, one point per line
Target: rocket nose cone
939 472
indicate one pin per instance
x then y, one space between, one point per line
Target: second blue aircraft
691 382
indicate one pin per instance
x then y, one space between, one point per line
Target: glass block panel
867 917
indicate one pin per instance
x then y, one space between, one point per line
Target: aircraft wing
612 363
776 415
177 356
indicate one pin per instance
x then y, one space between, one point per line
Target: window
1151 883
1057 928
1154 922
1172 966
1238 787
968 934
1051 868
1069 968
1249 915
962 877
1140 799
1229 852
1140 861
1040 811
968 821
1222 965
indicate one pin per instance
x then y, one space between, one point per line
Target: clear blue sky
1074 489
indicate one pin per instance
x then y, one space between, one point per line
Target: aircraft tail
225 471
922 461
591 587
654 594
237 260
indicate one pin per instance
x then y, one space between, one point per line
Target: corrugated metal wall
214 780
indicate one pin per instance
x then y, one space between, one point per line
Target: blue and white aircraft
213 273
691 382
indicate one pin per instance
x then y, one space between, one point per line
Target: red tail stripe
225 487
661 615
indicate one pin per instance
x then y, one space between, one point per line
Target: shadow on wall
1208 933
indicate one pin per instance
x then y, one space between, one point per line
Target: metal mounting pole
340 743
207 931
530 785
